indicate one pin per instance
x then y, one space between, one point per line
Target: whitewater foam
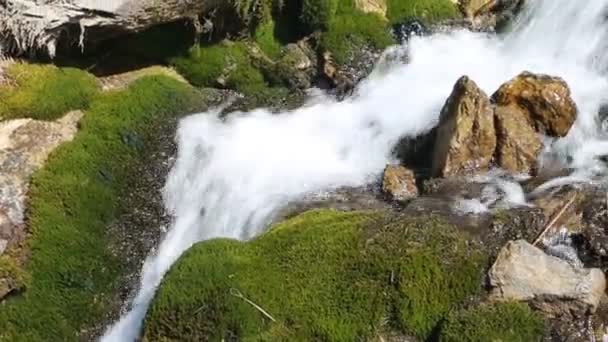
232 176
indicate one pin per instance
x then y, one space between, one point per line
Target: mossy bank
72 275
344 28
331 276
44 92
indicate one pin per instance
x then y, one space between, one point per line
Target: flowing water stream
231 176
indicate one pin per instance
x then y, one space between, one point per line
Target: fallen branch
487 7
554 220
238 294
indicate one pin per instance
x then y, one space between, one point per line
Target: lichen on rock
466 137
545 101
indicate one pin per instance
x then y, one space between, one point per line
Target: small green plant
506 322
44 92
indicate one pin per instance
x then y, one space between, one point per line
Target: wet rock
453 187
442 207
490 15
518 144
523 223
399 183
342 199
342 78
545 102
466 137
403 31
342 85
297 66
523 272
602 117
416 152
593 240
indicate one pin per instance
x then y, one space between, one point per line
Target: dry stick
238 294
487 7
554 220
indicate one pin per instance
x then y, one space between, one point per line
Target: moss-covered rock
227 65
323 275
44 92
349 32
12 276
429 11
72 200
506 322
318 14
265 38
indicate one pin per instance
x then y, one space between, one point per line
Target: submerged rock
466 138
523 272
399 183
545 102
403 31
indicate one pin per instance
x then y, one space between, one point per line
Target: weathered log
38 25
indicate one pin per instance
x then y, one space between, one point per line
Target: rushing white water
231 177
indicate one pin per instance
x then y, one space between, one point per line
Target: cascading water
232 176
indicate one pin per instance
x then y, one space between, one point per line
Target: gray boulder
29 25
523 272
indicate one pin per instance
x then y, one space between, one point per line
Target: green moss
324 275
10 270
73 199
350 32
506 322
266 40
317 14
44 92
429 11
203 66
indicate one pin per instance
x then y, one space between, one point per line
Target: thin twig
238 294
487 7
554 220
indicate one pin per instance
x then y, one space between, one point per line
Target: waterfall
231 176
